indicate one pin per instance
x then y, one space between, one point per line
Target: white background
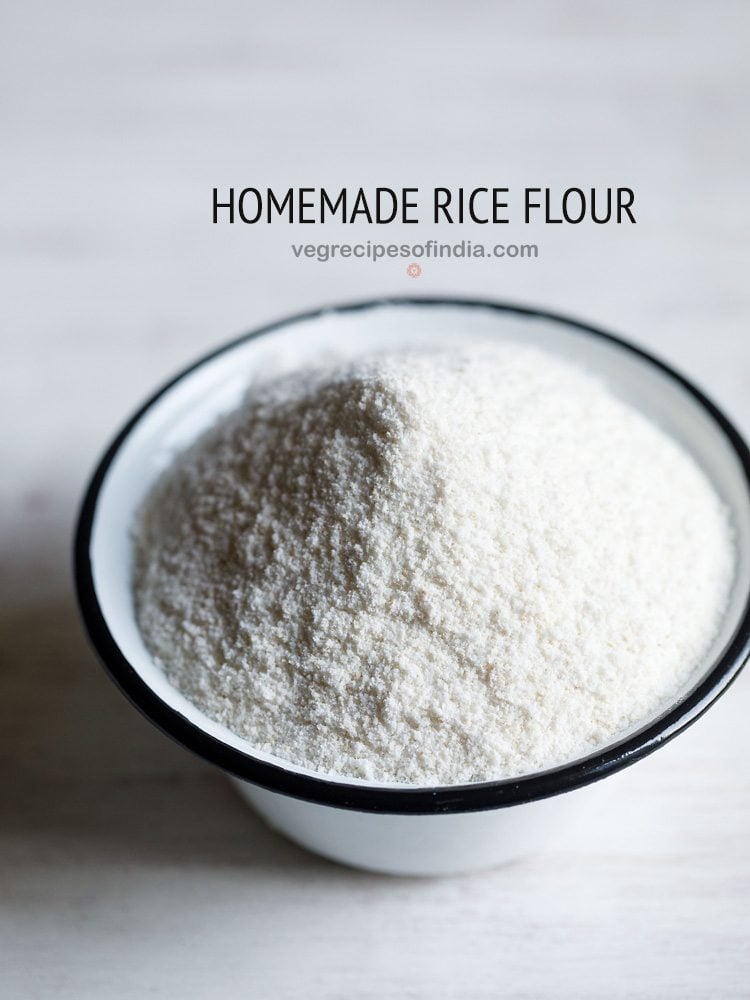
129 868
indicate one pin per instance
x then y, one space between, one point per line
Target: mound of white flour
432 568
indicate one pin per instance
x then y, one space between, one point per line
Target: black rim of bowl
392 798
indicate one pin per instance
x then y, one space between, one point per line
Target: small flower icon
414 270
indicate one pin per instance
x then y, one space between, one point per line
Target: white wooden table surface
129 868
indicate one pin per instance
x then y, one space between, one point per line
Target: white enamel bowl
392 828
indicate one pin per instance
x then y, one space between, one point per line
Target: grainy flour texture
432 567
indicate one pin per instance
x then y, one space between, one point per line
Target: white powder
432 568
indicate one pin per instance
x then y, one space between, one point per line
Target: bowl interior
215 386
